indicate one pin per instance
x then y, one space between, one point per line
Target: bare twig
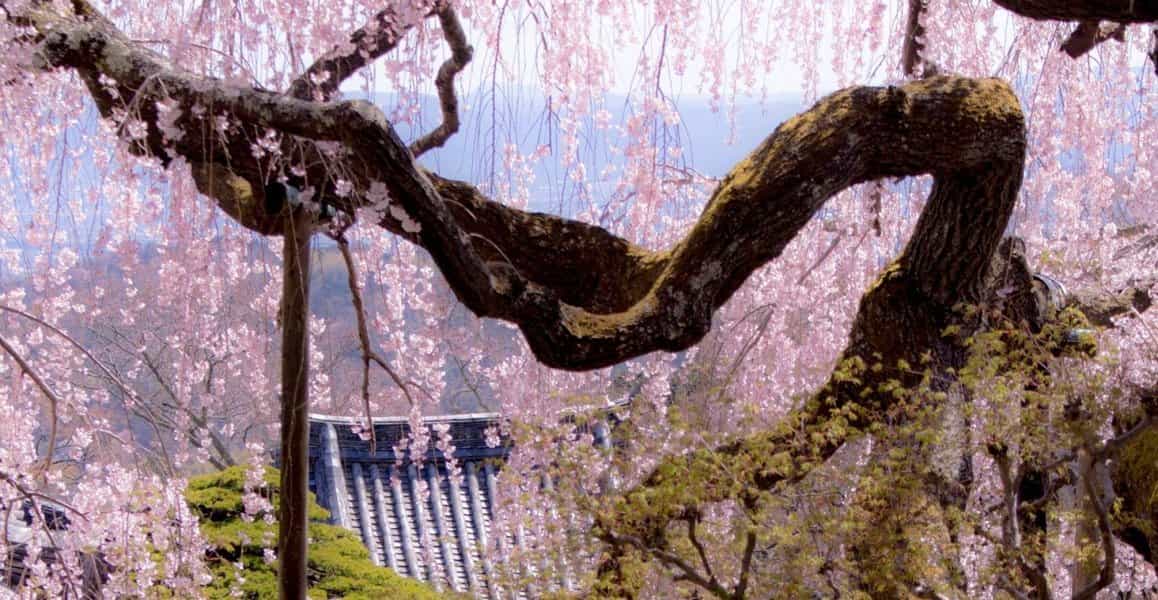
224 458
746 566
692 520
823 257
54 401
460 55
743 354
687 572
220 54
368 353
138 403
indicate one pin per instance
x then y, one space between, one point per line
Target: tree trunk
295 407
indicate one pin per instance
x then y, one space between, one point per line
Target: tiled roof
28 524
377 495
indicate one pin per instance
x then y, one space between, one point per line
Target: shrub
339 565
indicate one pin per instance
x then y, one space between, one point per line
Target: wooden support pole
293 523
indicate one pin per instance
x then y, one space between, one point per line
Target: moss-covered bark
1135 475
969 134
520 266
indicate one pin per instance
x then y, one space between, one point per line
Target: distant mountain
709 143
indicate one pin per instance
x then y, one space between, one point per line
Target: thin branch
471 386
363 337
34 498
1011 529
746 566
688 572
138 402
743 354
368 353
33 495
1055 483
75 344
1113 445
220 54
1110 447
823 257
692 520
54 401
460 55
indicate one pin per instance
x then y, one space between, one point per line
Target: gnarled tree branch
632 301
585 298
460 55
1119 11
367 44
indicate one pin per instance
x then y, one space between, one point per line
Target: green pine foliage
339 564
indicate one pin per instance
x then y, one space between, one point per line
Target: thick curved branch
853 136
1089 14
1089 32
1120 11
498 260
461 53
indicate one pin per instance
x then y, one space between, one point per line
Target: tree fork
292 539
950 258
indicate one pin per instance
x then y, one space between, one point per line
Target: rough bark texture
1121 11
510 264
585 298
913 48
293 520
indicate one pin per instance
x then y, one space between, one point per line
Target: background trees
213 97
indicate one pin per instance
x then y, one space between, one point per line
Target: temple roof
378 495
